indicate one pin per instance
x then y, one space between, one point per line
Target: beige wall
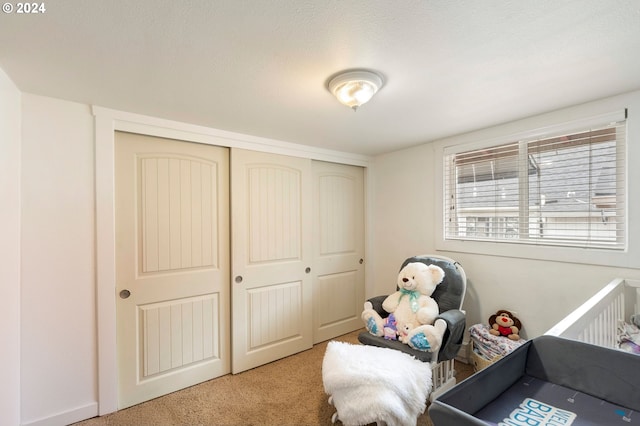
9 251
58 309
541 291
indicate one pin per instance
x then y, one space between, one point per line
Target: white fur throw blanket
369 384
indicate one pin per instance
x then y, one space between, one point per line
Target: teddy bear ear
437 274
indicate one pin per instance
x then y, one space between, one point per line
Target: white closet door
338 209
272 255
172 265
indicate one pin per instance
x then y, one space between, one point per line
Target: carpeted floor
284 392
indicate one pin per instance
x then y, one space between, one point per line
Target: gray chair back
449 294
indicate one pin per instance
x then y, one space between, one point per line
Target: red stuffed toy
504 323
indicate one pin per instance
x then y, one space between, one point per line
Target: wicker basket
480 362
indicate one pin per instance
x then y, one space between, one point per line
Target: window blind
563 188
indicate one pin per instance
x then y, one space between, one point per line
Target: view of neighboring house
571 184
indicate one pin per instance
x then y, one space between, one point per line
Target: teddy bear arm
514 329
391 302
428 313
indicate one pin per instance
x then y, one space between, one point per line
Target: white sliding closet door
172 265
272 257
338 246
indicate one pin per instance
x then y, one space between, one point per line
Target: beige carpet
284 392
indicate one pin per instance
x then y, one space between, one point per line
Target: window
562 188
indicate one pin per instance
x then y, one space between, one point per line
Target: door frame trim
107 122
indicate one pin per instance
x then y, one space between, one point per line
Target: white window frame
539 127
511 168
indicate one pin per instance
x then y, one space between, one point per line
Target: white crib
596 320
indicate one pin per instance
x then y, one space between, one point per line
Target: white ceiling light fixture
356 87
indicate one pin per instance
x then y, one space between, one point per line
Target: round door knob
361 261
125 294
239 279
307 270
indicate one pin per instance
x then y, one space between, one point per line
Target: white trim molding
67 417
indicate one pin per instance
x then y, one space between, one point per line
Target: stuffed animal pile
412 310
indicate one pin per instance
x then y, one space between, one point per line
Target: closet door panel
338 250
272 257
172 265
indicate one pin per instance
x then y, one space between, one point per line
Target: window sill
588 256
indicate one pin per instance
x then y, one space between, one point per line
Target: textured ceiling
261 67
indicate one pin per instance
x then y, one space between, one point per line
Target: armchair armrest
452 340
377 305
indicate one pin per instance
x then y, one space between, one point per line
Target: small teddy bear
403 335
504 323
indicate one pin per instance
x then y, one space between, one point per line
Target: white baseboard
67 417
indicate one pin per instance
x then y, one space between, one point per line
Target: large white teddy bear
414 309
